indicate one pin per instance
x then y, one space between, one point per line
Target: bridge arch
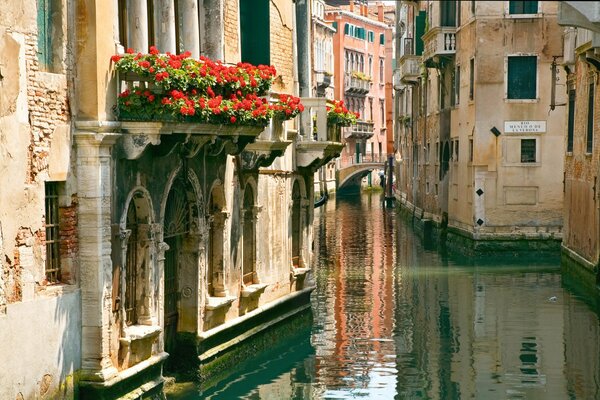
347 175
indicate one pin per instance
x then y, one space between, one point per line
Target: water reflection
393 320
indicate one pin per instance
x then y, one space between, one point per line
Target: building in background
362 66
477 141
581 240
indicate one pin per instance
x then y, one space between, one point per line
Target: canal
394 318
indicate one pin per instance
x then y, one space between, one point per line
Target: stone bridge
352 174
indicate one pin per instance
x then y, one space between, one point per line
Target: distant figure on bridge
382 180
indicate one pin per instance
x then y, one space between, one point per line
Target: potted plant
338 115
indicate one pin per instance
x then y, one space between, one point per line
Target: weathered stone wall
231 33
581 172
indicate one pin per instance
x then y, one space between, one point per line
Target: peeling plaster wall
39 325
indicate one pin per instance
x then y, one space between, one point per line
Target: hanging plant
338 114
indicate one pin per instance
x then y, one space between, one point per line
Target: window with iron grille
522 77
528 150
522 7
52 233
590 120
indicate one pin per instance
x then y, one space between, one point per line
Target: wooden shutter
522 77
255 31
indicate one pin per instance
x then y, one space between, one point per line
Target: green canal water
394 318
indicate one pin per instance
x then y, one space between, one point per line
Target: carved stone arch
249 220
181 209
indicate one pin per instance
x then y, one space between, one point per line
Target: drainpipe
303 43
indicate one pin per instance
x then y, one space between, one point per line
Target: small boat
322 200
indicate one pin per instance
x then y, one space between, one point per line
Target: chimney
380 12
365 10
351 5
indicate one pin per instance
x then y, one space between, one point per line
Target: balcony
409 64
323 79
317 144
360 130
143 130
356 85
439 42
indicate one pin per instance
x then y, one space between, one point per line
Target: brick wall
282 56
48 107
231 25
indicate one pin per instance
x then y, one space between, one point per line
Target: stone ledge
298 272
253 290
139 332
214 303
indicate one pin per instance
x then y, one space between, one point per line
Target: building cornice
358 17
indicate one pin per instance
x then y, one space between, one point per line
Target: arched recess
249 273
215 271
181 232
134 279
298 205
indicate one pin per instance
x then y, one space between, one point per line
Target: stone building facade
581 240
127 244
477 142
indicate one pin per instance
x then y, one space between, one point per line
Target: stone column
190 31
219 218
305 207
94 188
165 27
213 32
160 291
137 23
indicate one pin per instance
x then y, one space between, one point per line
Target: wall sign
524 126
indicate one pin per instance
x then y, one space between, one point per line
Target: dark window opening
448 13
255 31
151 41
523 7
571 120
522 77
123 23
590 120
472 79
528 150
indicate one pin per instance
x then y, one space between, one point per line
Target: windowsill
56 289
588 155
569 154
529 164
523 16
140 332
297 272
522 101
253 290
215 303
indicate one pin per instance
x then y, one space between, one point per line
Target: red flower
130 51
232 120
115 58
154 50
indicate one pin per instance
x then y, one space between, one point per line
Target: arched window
296 225
361 67
381 71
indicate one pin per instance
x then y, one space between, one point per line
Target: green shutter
255 31
346 29
522 77
44 15
334 25
381 38
419 32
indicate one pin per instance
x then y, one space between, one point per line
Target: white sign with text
524 126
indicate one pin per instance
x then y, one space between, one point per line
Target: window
571 120
522 7
381 70
370 65
123 22
371 36
590 120
382 112
458 13
255 31
457 85
456 150
471 78
150 8
448 13
473 7
522 77
471 150
528 150
382 38
52 233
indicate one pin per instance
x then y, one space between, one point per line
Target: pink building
361 69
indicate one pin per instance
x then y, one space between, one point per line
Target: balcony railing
355 85
360 130
439 41
409 68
